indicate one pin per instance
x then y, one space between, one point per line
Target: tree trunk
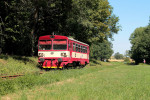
34 29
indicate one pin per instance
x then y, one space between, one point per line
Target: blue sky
132 14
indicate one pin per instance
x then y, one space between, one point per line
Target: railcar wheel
64 67
74 65
80 66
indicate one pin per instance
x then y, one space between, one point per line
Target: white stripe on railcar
54 53
79 55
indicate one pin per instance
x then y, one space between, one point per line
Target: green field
109 81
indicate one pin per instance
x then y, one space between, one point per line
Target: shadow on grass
131 63
134 64
95 61
45 69
39 66
56 69
23 59
3 56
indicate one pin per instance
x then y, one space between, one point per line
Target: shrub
127 60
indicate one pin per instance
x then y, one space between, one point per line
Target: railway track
18 75
11 76
14 76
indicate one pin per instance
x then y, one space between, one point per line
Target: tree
140 44
127 53
101 51
16 25
94 20
118 56
24 21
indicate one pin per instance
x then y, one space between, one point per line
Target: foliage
127 60
23 21
101 51
140 44
16 24
118 56
127 53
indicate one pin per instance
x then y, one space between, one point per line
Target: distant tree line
118 56
89 21
140 40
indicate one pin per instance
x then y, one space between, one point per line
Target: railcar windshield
60 44
45 44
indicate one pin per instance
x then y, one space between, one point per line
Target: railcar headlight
40 54
63 54
59 59
42 59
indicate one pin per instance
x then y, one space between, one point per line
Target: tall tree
25 20
101 51
140 44
16 17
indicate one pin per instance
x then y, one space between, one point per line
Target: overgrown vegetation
118 56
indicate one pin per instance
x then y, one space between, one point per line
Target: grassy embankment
12 65
112 81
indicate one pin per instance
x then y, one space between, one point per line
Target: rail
14 76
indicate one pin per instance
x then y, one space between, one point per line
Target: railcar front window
45 44
60 44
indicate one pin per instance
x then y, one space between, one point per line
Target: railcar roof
58 36
77 41
49 37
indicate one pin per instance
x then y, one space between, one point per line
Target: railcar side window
70 46
60 44
85 49
74 46
45 44
79 48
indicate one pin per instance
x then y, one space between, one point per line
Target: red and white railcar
55 51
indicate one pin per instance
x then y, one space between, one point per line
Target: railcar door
70 47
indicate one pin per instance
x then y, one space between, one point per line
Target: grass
10 65
99 81
114 82
31 80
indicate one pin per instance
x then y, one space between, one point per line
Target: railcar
56 51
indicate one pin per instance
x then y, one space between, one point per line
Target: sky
132 14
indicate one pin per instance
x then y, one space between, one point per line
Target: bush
127 60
